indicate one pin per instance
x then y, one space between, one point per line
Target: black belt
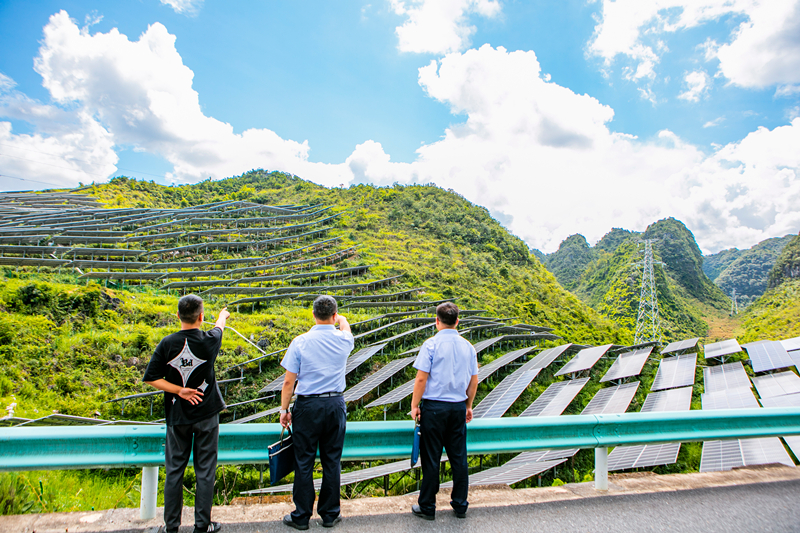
323 395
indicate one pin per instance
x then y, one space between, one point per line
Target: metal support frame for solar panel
778 384
768 356
585 359
727 376
721 349
627 364
387 305
677 371
260 299
724 455
626 457
33 261
681 346
555 398
140 275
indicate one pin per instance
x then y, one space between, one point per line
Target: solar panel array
718 349
612 399
585 359
786 400
722 377
681 346
675 372
628 364
791 345
355 360
504 395
778 384
361 389
625 457
490 368
555 398
767 356
543 359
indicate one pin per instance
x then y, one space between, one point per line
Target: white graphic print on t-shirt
186 362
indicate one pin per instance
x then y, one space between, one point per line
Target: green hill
776 314
746 271
607 277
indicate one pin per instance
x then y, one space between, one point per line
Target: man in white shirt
447 380
317 360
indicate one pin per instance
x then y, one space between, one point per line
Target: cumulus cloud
696 85
439 26
763 50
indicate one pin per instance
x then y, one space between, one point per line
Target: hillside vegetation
608 277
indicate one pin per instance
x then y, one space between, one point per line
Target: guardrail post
147 504
601 468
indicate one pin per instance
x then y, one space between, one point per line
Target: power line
28 179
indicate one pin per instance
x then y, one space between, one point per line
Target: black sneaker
332 522
460 514
287 521
418 512
213 527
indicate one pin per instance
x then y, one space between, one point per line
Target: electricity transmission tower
734 304
648 326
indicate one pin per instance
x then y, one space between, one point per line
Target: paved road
760 507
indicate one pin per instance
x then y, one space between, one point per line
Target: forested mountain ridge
746 271
608 276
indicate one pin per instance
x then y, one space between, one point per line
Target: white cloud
697 84
716 122
535 153
763 50
439 26
184 7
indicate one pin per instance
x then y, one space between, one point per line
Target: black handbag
281 458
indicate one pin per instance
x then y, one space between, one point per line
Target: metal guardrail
60 448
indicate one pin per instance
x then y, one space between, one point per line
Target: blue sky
560 117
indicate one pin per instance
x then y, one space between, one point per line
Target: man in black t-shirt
183 367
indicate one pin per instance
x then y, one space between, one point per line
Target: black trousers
317 423
443 425
200 438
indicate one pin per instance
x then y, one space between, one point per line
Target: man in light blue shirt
317 361
447 380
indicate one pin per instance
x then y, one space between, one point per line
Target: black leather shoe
418 512
460 514
213 527
287 521
332 522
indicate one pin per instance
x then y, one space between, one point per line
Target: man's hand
193 396
469 414
224 313
286 419
222 319
341 321
415 413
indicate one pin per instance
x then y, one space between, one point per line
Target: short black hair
325 307
189 308
447 313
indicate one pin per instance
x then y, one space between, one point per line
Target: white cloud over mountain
532 151
763 50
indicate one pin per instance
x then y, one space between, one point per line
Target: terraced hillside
91 279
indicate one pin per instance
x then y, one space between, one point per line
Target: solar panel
490 368
555 398
786 400
728 376
509 473
257 416
777 384
675 372
628 364
362 355
679 346
722 455
585 359
718 349
358 391
504 395
791 344
395 395
741 398
624 457
484 344
768 356
543 359
612 399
